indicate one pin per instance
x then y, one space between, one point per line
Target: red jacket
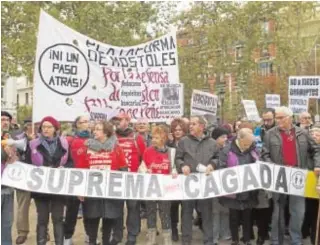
133 146
78 151
158 162
110 160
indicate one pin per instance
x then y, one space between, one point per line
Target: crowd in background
183 146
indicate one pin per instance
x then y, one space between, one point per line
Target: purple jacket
36 156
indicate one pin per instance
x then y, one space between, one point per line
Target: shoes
175 235
67 242
234 243
113 242
130 243
21 240
260 241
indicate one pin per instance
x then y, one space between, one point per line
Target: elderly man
290 146
305 120
196 149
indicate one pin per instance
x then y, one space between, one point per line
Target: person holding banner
159 159
178 128
78 150
103 153
8 156
221 228
196 152
133 146
240 151
290 146
49 150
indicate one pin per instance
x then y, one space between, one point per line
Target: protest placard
203 103
272 100
137 186
251 110
75 75
298 104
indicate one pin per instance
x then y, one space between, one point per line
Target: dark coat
242 200
102 208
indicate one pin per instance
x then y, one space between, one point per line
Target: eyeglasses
308 118
267 120
83 122
46 127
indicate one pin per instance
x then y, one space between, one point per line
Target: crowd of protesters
184 146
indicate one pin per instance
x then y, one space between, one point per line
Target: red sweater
78 151
133 148
110 160
157 162
289 149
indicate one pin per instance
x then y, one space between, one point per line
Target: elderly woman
178 129
240 151
158 159
103 154
49 150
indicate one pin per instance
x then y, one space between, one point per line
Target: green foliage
23 113
115 23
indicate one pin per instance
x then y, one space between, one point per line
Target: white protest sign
136 186
298 104
272 100
76 75
301 89
203 103
251 110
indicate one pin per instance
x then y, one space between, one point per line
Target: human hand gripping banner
125 185
77 75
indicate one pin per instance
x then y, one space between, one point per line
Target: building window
238 53
27 99
18 100
265 26
190 41
265 68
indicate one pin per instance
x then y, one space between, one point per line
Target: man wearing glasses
289 146
268 121
305 121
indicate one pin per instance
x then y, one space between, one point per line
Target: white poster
301 89
137 186
76 75
203 103
251 110
272 100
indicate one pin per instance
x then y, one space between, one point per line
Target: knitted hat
6 114
217 132
51 120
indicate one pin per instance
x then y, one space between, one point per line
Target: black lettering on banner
64 69
153 187
281 181
233 181
115 181
95 180
135 188
36 176
249 179
188 182
76 178
265 171
51 177
210 186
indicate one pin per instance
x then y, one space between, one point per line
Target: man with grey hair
290 146
305 120
196 152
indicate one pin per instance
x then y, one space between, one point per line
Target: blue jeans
6 218
221 228
296 209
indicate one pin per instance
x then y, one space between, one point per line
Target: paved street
79 236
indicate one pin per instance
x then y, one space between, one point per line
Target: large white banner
300 90
203 103
123 185
251 110
76 75
272 100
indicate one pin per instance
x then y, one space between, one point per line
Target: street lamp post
315 73
221 95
